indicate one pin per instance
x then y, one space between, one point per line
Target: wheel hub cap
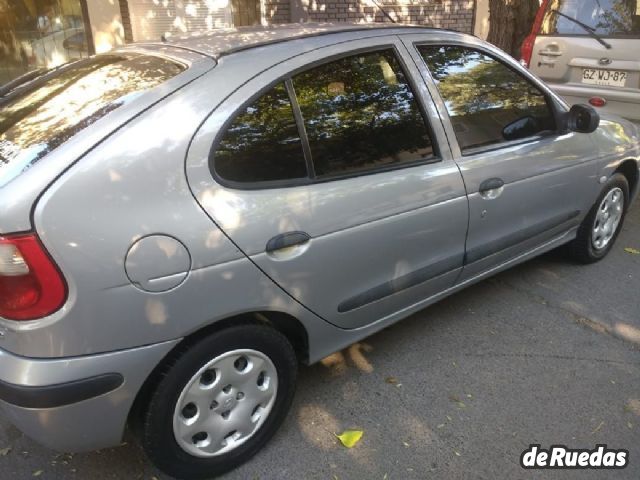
607 218
225 403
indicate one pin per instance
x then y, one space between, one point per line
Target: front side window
262 144
488 102
610 18
360 114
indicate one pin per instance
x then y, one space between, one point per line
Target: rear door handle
492 188
491 184
287 240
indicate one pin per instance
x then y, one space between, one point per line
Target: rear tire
229 398
600 228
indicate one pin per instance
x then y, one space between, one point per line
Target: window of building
40 34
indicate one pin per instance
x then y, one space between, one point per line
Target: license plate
609 78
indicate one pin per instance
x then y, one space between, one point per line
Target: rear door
332 173
576 64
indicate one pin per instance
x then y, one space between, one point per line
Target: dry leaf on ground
349 438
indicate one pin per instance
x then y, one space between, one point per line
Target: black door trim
399 284
520 236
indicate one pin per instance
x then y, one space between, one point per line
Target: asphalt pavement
547 352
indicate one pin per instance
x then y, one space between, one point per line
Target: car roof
225 41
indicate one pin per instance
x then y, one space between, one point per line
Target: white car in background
587 51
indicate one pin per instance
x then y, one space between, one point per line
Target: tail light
31 286
526 50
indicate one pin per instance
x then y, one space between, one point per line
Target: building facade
38 34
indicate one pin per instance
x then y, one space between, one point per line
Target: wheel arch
629 168
288 325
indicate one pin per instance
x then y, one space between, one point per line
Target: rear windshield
608 18
41 114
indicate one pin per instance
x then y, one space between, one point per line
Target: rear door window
40 115
609 18
262 144
350 116
488 102
360 114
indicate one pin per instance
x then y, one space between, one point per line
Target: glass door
40 34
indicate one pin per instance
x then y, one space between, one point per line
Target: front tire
219 401
600 228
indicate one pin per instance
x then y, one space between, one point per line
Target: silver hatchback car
182 223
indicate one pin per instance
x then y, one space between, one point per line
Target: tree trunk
510 22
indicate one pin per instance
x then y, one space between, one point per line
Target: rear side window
262 144
488 102
610 18
352 115
37 117
360 114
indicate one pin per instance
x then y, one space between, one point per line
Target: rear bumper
619 102
75 404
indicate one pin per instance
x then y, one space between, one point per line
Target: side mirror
521 128
583 119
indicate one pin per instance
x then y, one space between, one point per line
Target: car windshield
40 114
609 18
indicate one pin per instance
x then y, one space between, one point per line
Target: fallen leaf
5 451
632 251
37 473
598 428
350 437
391 380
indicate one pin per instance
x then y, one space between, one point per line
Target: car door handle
491 184
287 240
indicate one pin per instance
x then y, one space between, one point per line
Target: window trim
287 78
550 101
302 129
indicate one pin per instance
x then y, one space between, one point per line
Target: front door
527 183
332 182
